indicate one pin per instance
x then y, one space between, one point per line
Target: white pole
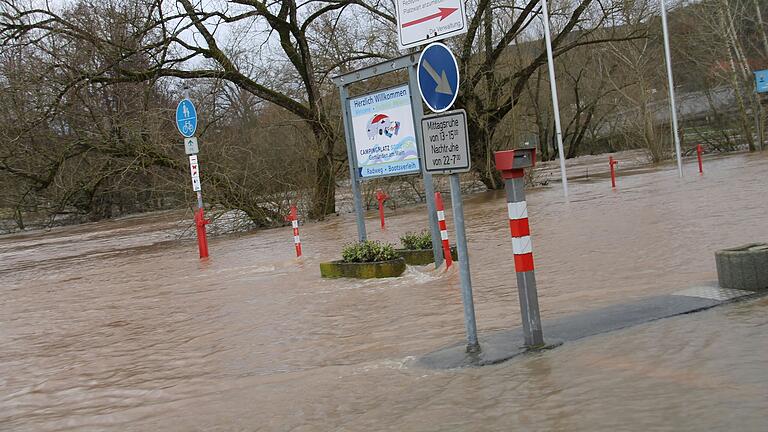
553 88
671 87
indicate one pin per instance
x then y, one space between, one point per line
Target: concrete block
382 269
744 267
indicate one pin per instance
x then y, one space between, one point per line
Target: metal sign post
429 188
672 103
186 123
553 90
354 180
445 146
466 280
424 21
365 131
761 86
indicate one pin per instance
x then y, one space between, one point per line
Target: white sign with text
445 143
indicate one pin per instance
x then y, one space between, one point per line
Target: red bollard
293 217
443 230
699 151
381 197
202 239
612 162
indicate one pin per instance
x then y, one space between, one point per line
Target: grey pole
672 104
555 104
466 281
429 189
758 127
526 280
357 198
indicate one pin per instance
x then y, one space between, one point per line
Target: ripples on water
114 326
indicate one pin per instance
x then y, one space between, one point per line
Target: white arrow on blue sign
438 77
186 118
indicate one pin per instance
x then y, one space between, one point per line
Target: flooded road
115 326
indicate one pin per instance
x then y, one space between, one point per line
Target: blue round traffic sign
438 77
186 118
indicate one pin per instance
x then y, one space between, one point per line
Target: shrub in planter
417 248
368 251
368 259
416 241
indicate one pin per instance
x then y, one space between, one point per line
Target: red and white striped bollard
511 164
293 217
443 230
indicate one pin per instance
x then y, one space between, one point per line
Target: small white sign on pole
190 145
445 143
424 21
194 170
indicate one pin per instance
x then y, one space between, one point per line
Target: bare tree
186 40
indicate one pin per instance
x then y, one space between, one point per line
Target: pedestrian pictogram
186 118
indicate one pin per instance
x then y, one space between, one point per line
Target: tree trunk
324 195
480 152
733 49
761 27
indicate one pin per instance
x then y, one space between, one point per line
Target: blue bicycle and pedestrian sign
186 118
438 77
761 81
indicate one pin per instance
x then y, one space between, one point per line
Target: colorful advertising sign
384 135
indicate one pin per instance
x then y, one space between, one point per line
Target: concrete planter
380 269
422 256
744 267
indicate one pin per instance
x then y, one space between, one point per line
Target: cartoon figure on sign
381 124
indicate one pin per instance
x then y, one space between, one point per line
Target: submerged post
699 151
443 230
354 181
186 123
293 218
202 238
381 197
466 281
511 164
429 187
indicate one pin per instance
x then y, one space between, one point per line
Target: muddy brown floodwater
114 326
